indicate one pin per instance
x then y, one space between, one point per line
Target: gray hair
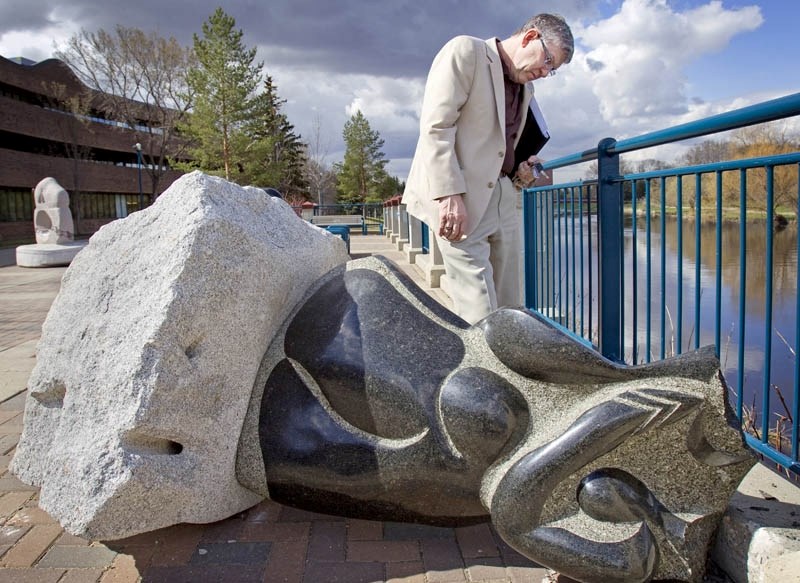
554 30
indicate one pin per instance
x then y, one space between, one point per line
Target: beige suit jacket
462 142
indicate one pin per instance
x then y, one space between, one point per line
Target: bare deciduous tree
762 140
142 80
321 178
72 131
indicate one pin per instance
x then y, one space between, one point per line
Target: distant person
460 182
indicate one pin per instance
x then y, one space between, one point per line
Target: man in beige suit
460 182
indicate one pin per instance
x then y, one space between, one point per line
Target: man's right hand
452 217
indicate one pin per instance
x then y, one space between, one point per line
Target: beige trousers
484 268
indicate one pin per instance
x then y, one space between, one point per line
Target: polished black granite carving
380 405
367 419
516 335
366 355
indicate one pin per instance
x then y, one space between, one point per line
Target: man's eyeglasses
548 59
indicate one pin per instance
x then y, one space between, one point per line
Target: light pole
138 147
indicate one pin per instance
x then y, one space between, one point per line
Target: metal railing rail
580 273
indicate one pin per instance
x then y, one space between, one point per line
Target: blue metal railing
625 264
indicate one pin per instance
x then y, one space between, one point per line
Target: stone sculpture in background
189 368
52 218
54 228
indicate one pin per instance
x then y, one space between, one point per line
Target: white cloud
37 37
36 46
392 104
636 59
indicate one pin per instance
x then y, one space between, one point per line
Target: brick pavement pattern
267 543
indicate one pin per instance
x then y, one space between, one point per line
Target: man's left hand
527 174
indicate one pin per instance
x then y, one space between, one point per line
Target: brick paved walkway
267 543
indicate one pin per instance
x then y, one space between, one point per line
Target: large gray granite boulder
148 356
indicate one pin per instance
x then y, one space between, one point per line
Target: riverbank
710 214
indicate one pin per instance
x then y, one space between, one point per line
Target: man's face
535 59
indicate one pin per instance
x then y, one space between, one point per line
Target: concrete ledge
433 273
48 255
758 540
412 253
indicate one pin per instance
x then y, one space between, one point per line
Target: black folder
534 135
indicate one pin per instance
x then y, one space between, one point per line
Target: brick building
89 153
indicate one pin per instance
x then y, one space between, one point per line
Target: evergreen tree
390 186
362 171
274 155
223 83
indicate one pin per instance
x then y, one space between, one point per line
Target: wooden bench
343 220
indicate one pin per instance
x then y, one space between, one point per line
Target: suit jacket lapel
496 68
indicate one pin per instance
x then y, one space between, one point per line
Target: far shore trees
758 141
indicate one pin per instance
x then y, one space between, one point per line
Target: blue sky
764 59
640 65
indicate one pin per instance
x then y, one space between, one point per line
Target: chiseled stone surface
392 408
148 356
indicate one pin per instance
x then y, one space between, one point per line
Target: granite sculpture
342 388
375 402
52 218
148 355
54 228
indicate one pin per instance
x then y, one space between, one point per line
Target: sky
639 65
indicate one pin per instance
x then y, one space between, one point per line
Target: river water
742 297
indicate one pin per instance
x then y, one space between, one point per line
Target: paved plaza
267 543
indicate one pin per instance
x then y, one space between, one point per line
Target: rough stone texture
373 401
760 532
783 569
148 356
767 547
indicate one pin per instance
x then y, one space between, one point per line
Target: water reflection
784 245
674 323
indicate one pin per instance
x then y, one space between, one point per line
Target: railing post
530 249
610 292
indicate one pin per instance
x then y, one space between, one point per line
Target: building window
99 206
108 206
16 205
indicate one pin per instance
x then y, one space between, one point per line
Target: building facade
51 124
